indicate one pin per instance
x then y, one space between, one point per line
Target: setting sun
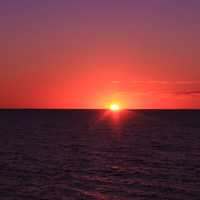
114 107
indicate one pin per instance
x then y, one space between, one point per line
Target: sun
114 107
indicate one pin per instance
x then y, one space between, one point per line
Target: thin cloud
181 82
116 82
189 92
187 82
194 93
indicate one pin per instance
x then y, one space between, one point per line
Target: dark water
97 155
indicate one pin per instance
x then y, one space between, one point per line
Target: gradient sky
89 53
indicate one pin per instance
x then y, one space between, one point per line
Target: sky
91 53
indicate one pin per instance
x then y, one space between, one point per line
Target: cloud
179 82
150 82
189 92
180 88
186 93
116 82
187 82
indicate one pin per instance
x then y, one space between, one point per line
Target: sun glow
114 107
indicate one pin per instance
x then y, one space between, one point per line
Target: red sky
140 54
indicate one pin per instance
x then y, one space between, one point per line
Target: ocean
99 155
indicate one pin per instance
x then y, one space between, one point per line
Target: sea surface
99 155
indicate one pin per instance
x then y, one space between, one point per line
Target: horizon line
27 108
